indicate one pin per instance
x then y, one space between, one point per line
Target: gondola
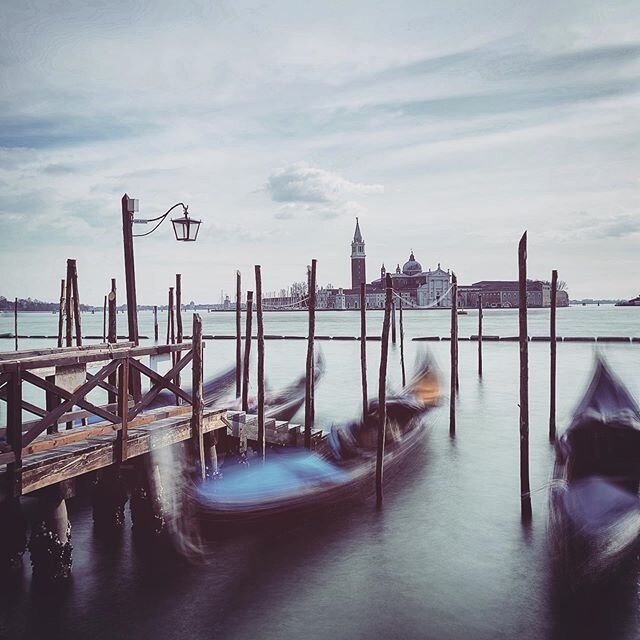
594 505
294 481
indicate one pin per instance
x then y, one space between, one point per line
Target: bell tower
358 269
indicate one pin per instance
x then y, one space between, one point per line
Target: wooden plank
155 390
75 398
31 353
14 434
55 390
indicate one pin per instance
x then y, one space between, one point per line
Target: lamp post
185 229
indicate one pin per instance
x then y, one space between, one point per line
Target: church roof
357 236
412 266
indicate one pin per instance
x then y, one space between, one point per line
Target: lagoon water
447 557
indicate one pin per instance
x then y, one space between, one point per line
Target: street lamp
186 230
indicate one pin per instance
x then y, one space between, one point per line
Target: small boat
594 505
294 481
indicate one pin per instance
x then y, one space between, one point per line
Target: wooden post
61 313
454 355
238 335
179 306
363 347
104 320
112 334
309 404
197 400
404 376
169 306
179 325
15 321
68 312
393 321
14 431
76 303
172 326
129 270
382 390
480 335
525 495
247 353
261 432
155 323
553 347
122 439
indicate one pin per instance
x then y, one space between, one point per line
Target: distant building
504 294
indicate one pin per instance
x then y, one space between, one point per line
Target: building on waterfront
504 294
416 287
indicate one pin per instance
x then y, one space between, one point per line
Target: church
416 287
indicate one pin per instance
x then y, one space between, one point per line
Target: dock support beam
50 544
109 499
147 513
13 535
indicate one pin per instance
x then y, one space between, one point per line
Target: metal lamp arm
160 219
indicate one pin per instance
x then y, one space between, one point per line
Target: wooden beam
363 347
382 389
123 410
553 356
247 353
76 303
454 355
14 433
260 320
238 335
197 439
61 312
525 491
68 309
309 400
480 334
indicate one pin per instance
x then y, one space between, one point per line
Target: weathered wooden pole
525 494
169 305
104 320
238 335
112 334
61 313
76 303
122 438
393 321
178 326
382 390
553 346
480 334
155 323
261 432
247 353
179 307
309 404
197 400
363 347
171 327
129 270
454 355
404 375
68 309
15 321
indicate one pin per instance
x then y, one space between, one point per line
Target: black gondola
594 504
344 468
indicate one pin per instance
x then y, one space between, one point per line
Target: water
446 558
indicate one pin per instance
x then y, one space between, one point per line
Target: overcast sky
448 127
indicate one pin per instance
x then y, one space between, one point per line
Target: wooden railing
120 363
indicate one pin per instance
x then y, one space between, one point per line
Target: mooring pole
382 390
553 347
404 375
68 309
309 405
454 355
61 313
197 437
76 304
179 325
112 335
247 353
363 347
525 494
15 321
238 335
480 335
169 306
104 320
155 323
393 321
261 432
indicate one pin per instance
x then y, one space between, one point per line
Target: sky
447 128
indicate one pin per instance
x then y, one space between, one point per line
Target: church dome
412 266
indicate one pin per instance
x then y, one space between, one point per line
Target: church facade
417 287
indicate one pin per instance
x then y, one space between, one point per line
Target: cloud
301 183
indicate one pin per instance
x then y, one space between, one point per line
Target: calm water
447 557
